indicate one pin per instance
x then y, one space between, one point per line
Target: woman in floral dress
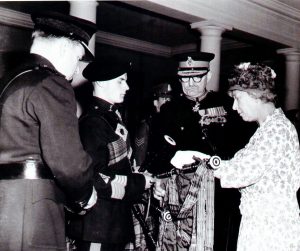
267 170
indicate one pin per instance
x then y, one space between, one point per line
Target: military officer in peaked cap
42 162
203 120
162 93
109 225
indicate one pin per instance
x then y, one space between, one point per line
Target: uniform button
182 128
96 107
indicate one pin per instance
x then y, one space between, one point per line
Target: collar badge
121 131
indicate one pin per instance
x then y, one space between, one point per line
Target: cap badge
189 61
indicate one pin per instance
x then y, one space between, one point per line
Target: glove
81 207
182 158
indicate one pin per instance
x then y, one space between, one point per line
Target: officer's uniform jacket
106 139
205 126
38 121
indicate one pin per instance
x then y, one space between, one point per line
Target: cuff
118 185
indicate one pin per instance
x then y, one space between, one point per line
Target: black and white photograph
150 125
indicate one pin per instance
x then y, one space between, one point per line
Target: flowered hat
257 79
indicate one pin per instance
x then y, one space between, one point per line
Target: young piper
109 225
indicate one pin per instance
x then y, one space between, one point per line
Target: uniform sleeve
141 142
53 104
95 135
135 187
265 148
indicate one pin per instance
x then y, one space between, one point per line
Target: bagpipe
168 147
210 162
165 214
166 150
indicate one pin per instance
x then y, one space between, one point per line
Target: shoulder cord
9 83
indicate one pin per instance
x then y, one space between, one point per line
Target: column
211 35
292 78
86 10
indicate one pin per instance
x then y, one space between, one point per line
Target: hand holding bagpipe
185 162
182 159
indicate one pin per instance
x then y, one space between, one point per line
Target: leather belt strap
29 169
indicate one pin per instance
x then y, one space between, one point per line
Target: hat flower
244 66
273 74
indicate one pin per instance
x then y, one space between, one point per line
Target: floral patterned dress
267 172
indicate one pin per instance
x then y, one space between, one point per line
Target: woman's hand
182 158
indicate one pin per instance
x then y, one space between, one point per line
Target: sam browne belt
29 169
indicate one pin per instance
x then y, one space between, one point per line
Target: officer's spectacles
195 78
